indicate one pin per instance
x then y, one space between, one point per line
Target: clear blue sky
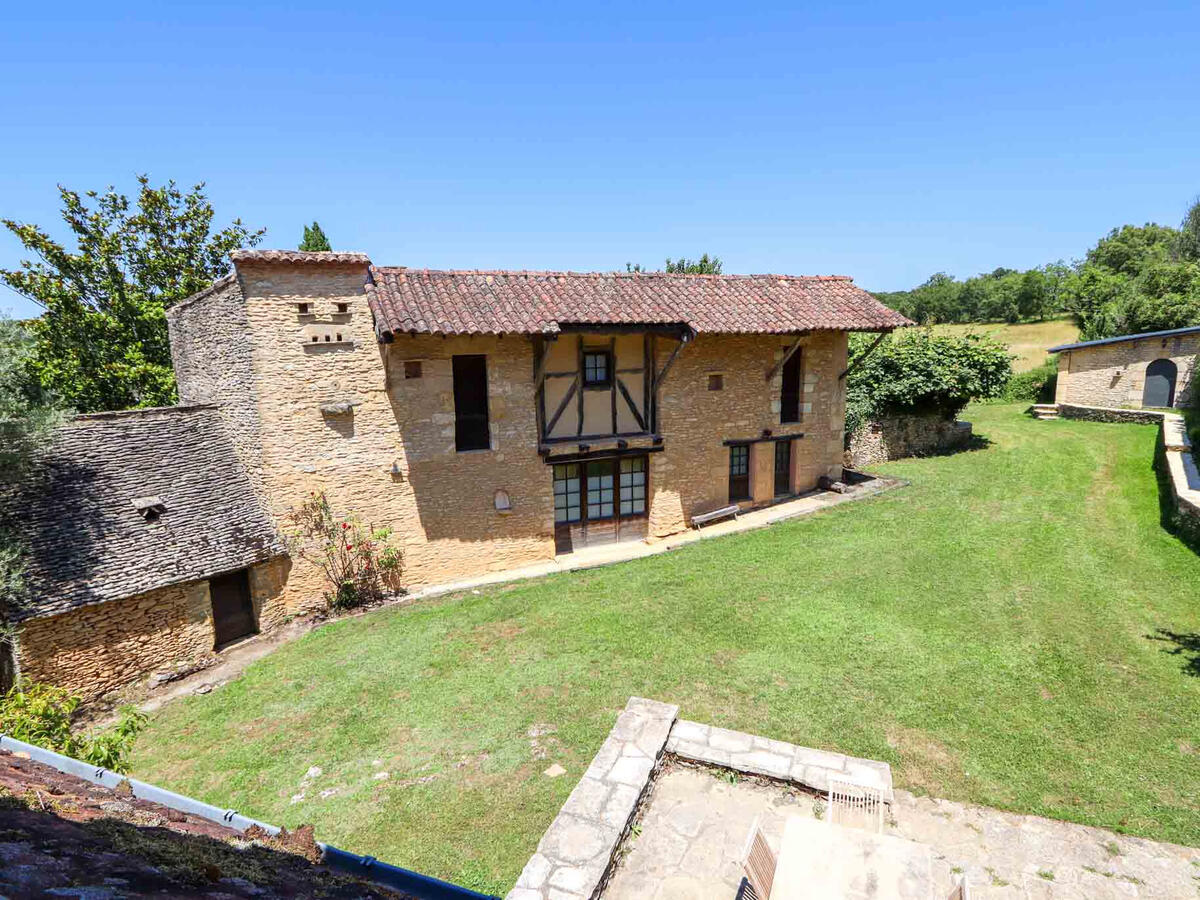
884 141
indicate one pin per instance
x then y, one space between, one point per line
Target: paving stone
571 878
588 799
631 770
573 840
690 731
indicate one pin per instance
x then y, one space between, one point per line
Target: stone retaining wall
897 437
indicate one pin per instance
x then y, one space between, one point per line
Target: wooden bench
705 518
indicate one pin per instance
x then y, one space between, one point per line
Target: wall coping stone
774 759
575 854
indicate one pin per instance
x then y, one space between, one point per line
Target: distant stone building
491 419
147 546
1153 369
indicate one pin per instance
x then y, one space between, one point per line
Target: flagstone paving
689 840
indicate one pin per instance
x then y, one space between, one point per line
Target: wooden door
233 610
1159 390
783 468
600 501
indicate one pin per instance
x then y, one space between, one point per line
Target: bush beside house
902 399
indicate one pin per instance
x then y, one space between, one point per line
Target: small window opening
597 368
315 339
339 337
412 368
302 307
326 337
343 307
716 382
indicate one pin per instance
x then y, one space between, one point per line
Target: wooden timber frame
646 417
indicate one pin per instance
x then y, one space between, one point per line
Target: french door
600 501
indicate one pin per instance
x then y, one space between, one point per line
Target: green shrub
917 372
41 714
1035 386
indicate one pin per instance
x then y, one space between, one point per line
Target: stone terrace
694 823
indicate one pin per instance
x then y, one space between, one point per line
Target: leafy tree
314 239
27 416
1130 249
702 266
102 341
1187 247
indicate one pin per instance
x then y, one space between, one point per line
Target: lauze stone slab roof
89 543
453 302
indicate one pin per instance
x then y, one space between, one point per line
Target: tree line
1136 278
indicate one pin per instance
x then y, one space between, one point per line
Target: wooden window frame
607 382
614 464
735 479
468 436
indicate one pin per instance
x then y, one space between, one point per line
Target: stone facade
346 415
1114 374
898 437
94 649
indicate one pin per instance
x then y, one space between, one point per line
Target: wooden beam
612 379
562 407
791 351
858 359
632 408
662 376
579 382
539 384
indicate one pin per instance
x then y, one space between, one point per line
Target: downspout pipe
367 868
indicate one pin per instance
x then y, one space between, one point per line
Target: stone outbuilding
146 546
1154 369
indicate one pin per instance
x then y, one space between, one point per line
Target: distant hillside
1028 340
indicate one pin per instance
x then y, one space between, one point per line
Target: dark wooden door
783 468
600 502
1159 390
233 611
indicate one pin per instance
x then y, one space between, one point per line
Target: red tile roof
422 301
299 256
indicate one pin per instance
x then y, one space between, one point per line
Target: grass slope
987 630
1028 340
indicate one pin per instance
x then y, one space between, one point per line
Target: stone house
493 419
1153 369
147 545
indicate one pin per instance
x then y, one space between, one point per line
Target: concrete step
1045 410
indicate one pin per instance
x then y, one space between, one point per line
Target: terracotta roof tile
299 256
426 301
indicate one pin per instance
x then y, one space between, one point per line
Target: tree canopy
101 342
705 265
314 239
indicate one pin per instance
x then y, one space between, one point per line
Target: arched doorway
1160 384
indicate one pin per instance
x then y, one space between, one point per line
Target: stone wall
210 352
344 416
95 649
1114 375
897 437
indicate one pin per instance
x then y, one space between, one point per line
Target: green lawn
987 630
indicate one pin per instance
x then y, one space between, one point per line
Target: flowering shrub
359 561
41 714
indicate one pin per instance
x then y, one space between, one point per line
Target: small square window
412 368
343 307
302 308
597 368
716 382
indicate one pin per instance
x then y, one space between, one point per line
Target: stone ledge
574 855
774 759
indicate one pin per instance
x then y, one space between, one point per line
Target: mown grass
989 630
1028 340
